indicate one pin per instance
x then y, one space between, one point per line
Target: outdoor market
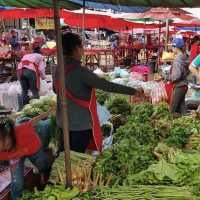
99 100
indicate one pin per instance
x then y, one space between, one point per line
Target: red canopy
25 13
101 21
76 19
166 13
190 23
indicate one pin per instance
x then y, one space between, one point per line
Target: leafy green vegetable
127 156
140 192
56 192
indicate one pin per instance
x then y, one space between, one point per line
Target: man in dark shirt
80 82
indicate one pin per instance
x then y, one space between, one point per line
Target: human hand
139 92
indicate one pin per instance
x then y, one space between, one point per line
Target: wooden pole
167 34
83 25
65 126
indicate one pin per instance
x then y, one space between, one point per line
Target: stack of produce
38 106
52 193
81 170
139 192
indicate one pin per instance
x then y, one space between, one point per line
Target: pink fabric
141 69
36 58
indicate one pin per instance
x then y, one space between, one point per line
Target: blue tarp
118 8
188 28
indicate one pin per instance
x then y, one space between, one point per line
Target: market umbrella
165 13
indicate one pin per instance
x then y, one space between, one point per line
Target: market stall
151 155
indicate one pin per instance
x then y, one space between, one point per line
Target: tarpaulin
76 19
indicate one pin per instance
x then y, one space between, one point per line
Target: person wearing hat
30 70
19 142
14 41
178 78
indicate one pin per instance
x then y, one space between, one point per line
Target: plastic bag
158 93
99 72
103 114
124 73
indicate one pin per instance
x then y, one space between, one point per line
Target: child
18 143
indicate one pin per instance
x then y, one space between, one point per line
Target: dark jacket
80 82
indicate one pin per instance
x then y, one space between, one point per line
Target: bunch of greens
38 106
127 156
52 193
180 131
102 96
140 192
179 169
119 106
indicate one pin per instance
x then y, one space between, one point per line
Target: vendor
30 70
177 77
80 85
14 41
195 48
194 68
18 143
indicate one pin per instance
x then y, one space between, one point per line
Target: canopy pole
65 126
167 34
83 25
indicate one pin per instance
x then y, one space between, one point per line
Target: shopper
80 95
195 48
194 68
14 41
177 77
18 142
30 70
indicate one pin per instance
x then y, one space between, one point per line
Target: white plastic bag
103 114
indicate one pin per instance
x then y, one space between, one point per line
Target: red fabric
76 19
195 50
25 13
27 62
169 90
97 140
28 142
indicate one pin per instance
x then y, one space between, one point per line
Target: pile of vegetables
81 170
38 106
139 192
153 157
57 192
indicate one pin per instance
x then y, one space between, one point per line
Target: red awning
76 19
25 13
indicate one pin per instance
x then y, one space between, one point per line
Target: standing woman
177 78
80 86
30 70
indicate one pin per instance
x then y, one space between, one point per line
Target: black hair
37 50
69 42
195 39
7 128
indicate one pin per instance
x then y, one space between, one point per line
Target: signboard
44 23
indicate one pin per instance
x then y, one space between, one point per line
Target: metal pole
65 126
167 34
83 24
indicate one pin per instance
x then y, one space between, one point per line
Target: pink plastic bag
158 93
142 69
